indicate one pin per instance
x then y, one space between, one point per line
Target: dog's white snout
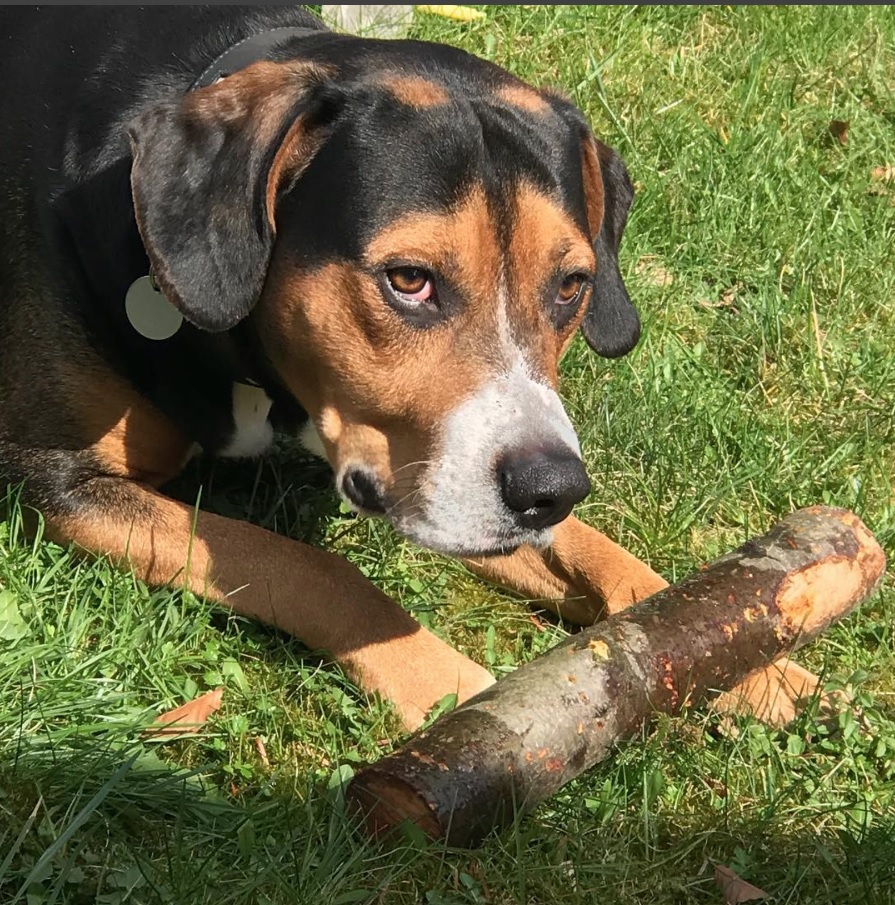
474 502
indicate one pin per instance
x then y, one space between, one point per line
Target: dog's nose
364 491
540 486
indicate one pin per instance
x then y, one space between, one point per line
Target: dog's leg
583 577
772 694
314 595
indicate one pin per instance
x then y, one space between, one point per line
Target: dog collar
247 51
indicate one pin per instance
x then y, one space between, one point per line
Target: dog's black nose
540 486
364 491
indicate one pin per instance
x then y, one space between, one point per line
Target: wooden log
519 741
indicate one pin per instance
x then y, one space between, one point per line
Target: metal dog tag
149 312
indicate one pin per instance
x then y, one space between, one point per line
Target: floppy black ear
207 170
611 325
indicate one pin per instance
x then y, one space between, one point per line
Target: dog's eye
568 295
422 297
571 289
412 284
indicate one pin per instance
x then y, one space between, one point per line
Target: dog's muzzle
508 467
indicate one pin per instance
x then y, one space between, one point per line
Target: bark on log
519 741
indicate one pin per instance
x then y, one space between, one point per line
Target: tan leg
314 595
583 577
772 694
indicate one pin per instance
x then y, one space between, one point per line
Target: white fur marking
253 433
465 512
309 438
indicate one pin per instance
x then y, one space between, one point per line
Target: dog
222 223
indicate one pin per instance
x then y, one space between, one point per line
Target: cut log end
383 803
814 597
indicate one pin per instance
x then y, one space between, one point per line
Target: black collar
247 51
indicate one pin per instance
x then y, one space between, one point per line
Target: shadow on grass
284 492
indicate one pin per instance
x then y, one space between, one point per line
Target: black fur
611 325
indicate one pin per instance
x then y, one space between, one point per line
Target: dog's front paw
635 583
448 675
415 672
602 577
774 694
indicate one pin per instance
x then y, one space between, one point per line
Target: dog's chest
253 432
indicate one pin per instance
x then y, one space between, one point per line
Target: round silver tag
149 312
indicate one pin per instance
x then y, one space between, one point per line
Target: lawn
761 253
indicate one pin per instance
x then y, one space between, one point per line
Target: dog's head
417 235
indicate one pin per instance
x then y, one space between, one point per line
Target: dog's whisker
422 462
412 496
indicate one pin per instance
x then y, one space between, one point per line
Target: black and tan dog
382 248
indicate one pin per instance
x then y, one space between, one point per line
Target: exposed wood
519 741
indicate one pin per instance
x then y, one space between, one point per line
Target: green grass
761 253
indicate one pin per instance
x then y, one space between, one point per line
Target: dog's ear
207 171
611 325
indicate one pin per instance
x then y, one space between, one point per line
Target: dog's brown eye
420 298
412 283
571 289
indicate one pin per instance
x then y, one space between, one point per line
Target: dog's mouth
473 540
409 513
517 504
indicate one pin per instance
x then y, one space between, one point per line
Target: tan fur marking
546 235
593 186
526 570
129 437
772 694
465 238
525 98
291 159
144 446
262 92
609 573
414 91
